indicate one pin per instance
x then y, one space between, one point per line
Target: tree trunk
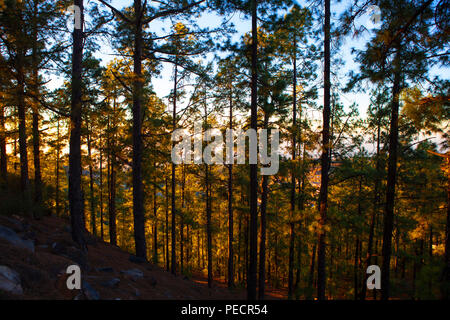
293 183
390 188
230 209
91 185
174 210
167 226
58 151
155 226
376 204
325 163
262 244
36 135
253 232
312 267
112 199
445 290
3 155
75 194
208 225
101 188
138 194
183 182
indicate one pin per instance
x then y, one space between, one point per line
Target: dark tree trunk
3 155
167 226
445 289
262 244
376 205
325 163
101 188
253 234
112 201
312 267
91 185
36 135
155 228
293 183
75 193
58 151
390 188
138 194
24 179
230 209
174 210
208 225
183 182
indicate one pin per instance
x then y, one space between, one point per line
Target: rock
89 292
78 297
10 281
152 281
105 269
114 282
31 277
137 292
77 256
12 237
17 225
58 248
135 259
168 295
135 274
30 235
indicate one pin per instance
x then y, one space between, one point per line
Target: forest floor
108 270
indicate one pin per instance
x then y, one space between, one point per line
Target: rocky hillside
34 256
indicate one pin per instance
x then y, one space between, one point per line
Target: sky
162 84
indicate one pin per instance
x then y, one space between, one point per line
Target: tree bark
167 226
3 155
155 226
293 183
138 194
58 151
101 188
325 163
230 208
174 210
262 244
253 232
376 204
36 135
112 193
91 185
75 194
391 180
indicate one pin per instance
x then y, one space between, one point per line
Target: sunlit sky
162 84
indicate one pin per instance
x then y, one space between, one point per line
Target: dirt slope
43 273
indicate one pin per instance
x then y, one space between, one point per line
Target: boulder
114 282
10 281
135 259
12 237
89 292
134 274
